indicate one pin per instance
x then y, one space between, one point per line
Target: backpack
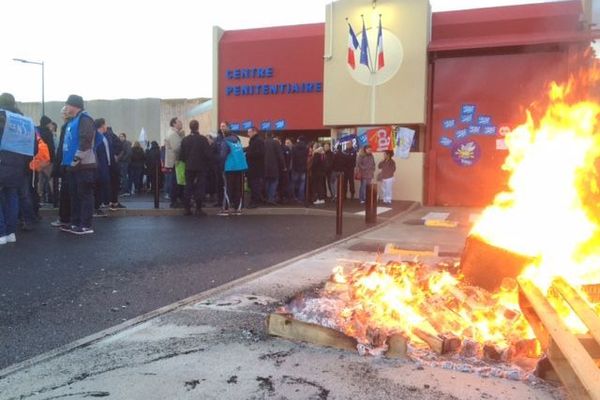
236 159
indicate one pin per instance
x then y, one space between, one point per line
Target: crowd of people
86 168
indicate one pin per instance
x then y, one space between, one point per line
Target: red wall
296 55
501 86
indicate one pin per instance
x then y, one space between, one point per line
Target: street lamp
36 63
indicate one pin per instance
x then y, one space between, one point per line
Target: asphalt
214 345
56 287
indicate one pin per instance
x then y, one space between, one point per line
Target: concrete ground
214 345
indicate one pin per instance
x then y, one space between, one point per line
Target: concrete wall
131 115
394 94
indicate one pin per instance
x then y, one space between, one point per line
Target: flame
552 210
382 299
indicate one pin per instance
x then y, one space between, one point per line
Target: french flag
380 58
352 46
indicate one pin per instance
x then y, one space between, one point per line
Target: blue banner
474 130
468 109
362 140
247 124
484 120
461 133
489 130
279 125
265 125
19 134
234 126
449 123
446 141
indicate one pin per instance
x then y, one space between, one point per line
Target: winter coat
274 161
152 158
349 161
366 165
299 157
387 167
195 152
57 168
318 166
48 138
255 155
138 158
102 158
125 153
172 147
338 162
328 161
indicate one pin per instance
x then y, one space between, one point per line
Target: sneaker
58 223
68 228
236 212
167 197
126 194
103 206
99 214
115 207
223 213
83 231
3 240
10 238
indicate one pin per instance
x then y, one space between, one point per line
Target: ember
374 301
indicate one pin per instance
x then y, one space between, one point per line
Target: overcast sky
107 49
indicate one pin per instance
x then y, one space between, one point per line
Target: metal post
371 204
339 210
156 186
43 98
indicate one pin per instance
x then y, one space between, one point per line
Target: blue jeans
124 172
168 185
9 210
362 191
298 185
81 188
26 194
271 187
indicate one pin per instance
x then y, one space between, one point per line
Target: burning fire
551 213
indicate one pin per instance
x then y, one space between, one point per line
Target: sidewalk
143 205
214 345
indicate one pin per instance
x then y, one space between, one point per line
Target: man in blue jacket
79 159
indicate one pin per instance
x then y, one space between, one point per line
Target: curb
93 338
174 212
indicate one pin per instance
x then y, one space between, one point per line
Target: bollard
157 186
371 204
339 210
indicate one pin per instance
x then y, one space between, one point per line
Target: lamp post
36 63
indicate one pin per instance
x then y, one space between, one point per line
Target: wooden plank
579 373
581 308
397 346
283 325
438 343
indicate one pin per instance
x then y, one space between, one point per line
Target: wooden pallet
572 360
285 326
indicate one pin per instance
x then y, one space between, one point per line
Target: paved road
56 287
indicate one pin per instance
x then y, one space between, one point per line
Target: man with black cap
80 161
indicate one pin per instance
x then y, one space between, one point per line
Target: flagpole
373 72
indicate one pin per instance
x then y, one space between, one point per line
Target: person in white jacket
172 148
